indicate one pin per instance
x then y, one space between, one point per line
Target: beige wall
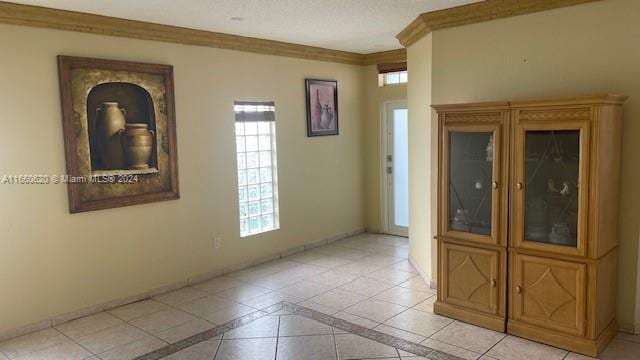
375 97
52 262
422 145
580 50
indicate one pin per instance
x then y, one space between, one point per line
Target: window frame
262 123
383 78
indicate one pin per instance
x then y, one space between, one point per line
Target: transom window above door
392 74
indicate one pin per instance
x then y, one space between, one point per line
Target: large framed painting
322 107
119 132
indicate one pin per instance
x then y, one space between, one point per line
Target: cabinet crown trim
529 103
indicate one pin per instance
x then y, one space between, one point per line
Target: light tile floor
287 336
365 279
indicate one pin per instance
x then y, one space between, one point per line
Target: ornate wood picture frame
119 132
322 107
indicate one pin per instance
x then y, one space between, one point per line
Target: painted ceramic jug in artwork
110 121
326 117
137 144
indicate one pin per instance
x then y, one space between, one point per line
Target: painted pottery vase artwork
322 107
137 144
110 119
124 125
119 132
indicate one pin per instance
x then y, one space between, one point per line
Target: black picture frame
322 119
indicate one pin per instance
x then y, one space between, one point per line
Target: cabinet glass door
470 183
549 188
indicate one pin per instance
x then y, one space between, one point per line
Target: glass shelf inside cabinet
552 168
470 181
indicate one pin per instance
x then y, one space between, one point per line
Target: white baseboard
627 328
422 273
62 318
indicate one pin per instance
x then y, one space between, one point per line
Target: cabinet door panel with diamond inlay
471 277
549 293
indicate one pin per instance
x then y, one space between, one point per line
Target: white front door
396 168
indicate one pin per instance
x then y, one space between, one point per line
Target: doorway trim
384 199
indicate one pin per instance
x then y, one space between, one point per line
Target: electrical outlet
217 242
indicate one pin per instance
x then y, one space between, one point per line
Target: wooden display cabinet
528 211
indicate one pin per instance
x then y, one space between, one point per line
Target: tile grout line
332 240
300 311
403 330
241 282
78 343
195 315
298 282
282 336
337 287
131 342
55 328
145 331
364 276
383 322
335 343
457 346
217 349
211 333
444 327
366 333
44 348
494 345
275 356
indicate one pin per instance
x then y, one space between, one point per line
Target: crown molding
391 56
37 16
475 13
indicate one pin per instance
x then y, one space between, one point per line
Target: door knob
495 184
518 289
519 186
493 283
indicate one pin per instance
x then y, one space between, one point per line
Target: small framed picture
322 107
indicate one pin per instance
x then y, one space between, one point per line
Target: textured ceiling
361 26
